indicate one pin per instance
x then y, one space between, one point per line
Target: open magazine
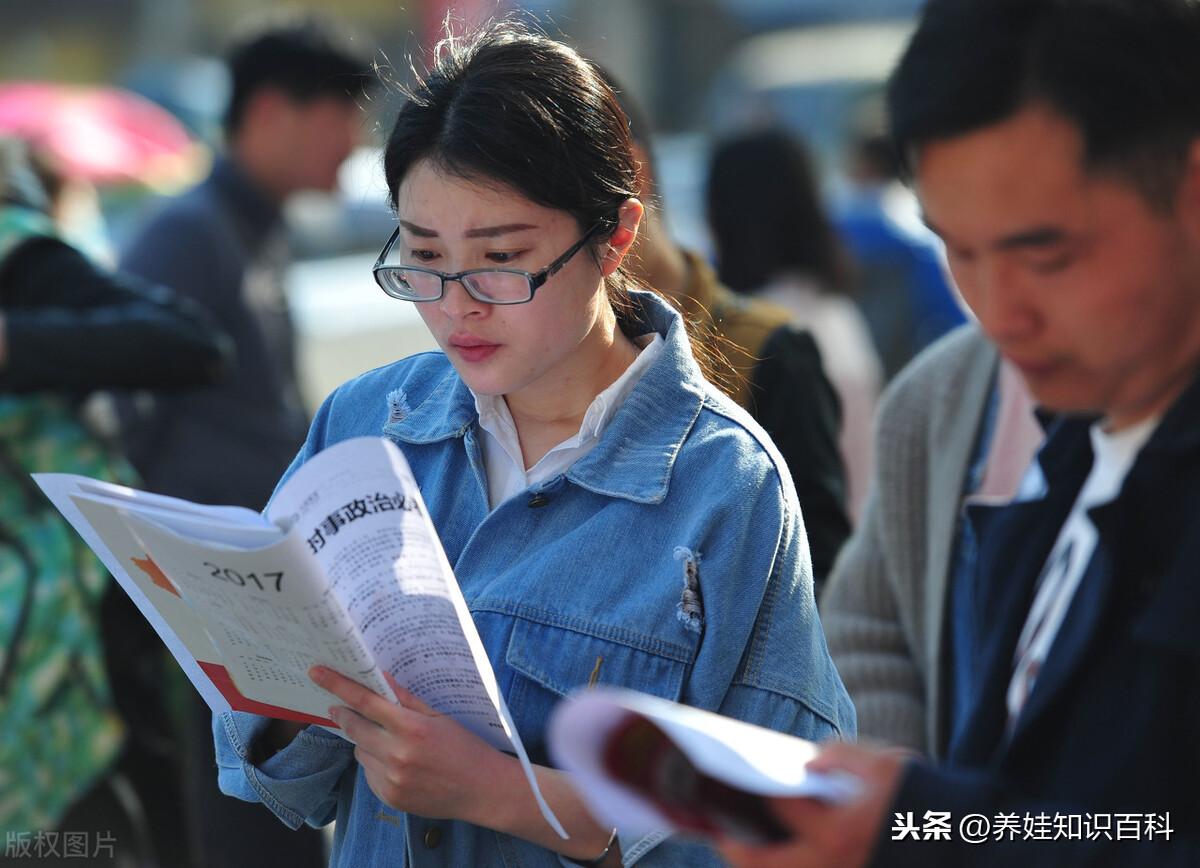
344 570
646 765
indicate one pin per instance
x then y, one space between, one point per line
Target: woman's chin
482 382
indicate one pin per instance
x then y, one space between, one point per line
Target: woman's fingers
407 699
362 700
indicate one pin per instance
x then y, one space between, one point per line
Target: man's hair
1125 72
304 56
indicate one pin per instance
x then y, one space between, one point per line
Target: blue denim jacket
671 559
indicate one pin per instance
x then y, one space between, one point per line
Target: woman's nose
457 303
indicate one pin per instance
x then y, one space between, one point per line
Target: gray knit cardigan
884 607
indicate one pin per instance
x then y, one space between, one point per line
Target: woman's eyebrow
481 232
419 231
503 229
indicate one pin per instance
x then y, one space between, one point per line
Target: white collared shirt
506 472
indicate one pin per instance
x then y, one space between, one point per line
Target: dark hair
306 57
1125 72
513 106
766 213
636 120
640 131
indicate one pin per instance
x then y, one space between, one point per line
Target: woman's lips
471 348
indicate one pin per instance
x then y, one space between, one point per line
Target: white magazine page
358 509
219 531
229 514
106 535
741 755
270 614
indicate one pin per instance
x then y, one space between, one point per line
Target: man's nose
1005 300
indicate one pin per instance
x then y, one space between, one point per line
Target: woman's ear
629 216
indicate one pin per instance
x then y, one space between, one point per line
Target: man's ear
1188 198
629 217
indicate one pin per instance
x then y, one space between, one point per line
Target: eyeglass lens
487 285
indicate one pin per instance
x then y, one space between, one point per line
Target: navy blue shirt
222 244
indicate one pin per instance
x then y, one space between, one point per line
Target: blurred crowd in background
705 69
770 164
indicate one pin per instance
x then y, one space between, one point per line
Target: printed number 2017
227 575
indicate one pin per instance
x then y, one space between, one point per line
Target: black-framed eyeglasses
489 285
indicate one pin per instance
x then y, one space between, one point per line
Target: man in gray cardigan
956 426
884 608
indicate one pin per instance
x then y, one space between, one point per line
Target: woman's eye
502 257
423 255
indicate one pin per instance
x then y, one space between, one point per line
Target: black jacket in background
72 327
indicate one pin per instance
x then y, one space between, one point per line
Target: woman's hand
415 759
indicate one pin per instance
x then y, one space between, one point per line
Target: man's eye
1052 264
959 254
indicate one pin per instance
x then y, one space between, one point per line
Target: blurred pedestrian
67 328
900 280
776 373
293 118
774 241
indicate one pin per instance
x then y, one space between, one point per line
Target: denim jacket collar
634 458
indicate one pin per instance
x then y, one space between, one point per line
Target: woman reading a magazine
610 516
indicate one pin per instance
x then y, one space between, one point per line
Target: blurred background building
703 67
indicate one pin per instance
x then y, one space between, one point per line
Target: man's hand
825 835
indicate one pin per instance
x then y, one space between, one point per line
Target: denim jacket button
433 837
538 500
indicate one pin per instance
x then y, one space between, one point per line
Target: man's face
318 135
1090 292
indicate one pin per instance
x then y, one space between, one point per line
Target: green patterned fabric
58 727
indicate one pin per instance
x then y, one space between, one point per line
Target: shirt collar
251 202
637 450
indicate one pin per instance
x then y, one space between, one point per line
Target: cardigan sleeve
867 640
882 599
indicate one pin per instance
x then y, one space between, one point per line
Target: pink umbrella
101 134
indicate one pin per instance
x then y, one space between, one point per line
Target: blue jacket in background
902 286
585 571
